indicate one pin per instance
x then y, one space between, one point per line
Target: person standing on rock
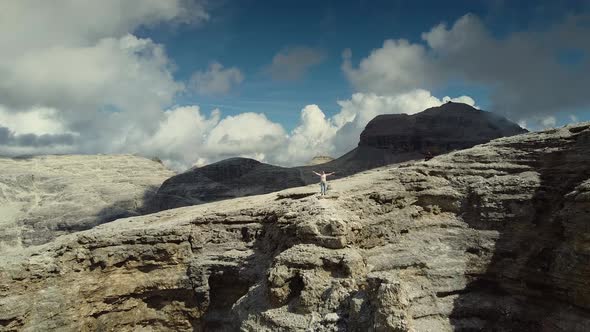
323 181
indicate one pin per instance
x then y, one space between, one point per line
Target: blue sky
197 81
247 34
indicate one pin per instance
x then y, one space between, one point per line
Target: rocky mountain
451 126
47 196
386 140
229 178
492 238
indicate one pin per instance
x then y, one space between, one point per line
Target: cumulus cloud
216 79
187 137
522 70
75 69
246 134
38 120
313 136
44 24
397 67
179 138
128 73
293 63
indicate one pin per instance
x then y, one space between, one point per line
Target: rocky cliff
491 238
386 140
451 126
47 196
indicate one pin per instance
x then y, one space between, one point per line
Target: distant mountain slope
44 197
234 177
387 139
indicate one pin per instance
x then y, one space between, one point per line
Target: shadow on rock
538 277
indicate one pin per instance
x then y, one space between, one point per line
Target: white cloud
535 123
521 70
75 68
128 73
293 63
186 137
313 136
39 121
216 80
43 24
246 134
549 122
180 136
462 99
397 67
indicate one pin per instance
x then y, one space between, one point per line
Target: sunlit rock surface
47 196
491 238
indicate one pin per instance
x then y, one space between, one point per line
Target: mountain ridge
387 139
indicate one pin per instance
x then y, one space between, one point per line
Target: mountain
386 140
441 129
44 197
491 238
234 177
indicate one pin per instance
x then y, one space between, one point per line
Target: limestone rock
451 126
491 238
47 196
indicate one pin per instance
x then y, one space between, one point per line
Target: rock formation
451 126
229 178
491 238
47 196
387 139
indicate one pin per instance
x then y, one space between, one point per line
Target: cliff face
386 140
452 126
48 196
494 237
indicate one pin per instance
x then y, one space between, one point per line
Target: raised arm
316 173
330 173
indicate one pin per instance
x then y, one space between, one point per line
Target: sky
193 82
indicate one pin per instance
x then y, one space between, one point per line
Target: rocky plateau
492 238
